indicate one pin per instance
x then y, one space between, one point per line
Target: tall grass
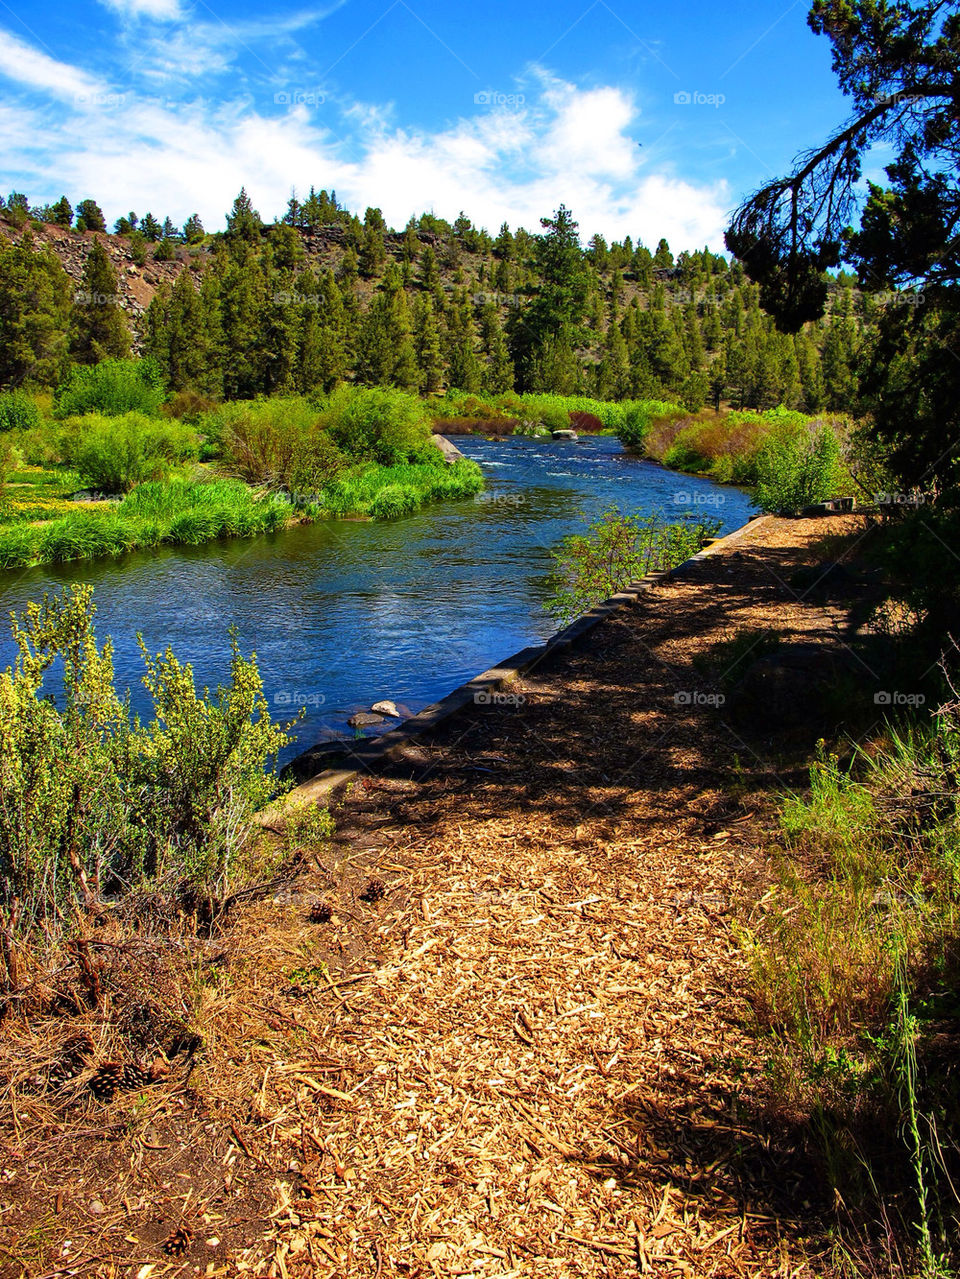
387 492
855 972
176 512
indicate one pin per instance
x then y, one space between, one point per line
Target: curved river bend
343 613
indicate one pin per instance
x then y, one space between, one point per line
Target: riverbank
40 524
499 1025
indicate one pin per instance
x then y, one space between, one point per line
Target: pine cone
137 1076
71 1062
107 1078
320 913
176 1245
375 891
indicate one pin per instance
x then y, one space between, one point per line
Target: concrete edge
369 752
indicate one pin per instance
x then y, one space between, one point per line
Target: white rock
386 708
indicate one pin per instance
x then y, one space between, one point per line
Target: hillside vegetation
320 296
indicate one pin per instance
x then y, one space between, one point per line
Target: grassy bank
789 459
160 513
264 464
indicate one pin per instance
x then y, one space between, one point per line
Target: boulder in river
564 435
450 451
389 709
363 719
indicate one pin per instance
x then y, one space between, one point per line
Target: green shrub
96 805
797 468
279 442
358 491
188 405
114 454
42 445
377 424
111 387
615 551
19 412
639 417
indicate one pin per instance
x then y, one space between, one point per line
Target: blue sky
645 120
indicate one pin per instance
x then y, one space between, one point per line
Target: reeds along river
343 613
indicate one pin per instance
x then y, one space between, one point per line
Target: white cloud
560 145
29 66
195 50
157 10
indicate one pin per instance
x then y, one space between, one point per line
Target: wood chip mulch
502 1026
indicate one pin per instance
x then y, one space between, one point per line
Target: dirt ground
499 1026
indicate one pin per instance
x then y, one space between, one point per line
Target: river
343 613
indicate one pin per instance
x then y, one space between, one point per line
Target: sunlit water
343 613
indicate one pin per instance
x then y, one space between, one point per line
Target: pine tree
323 358
811 373
212 384
372 249
614 375
764 390
242 291
386 354
498 374
244 223
839 355
193 231
693 338
61 214
100 327
411 242
91 215
429 274
463 367
663 258
35 294
554 318
186 336
151 228
426 342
